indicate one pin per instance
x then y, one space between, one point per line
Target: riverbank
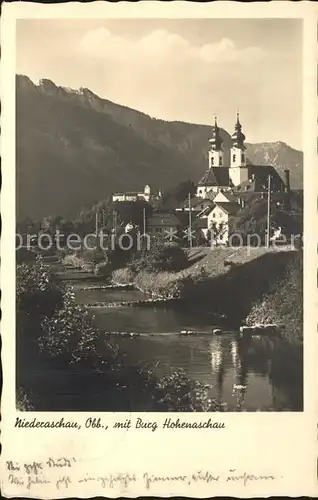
246 285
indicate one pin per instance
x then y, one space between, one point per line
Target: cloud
176 71
226 51
102 44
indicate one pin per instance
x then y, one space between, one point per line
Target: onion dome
238 137
216 139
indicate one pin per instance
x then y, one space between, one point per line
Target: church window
220 160
243 157
234 158
212 160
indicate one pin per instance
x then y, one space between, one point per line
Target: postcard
158 250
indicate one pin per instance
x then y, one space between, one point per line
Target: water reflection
247 373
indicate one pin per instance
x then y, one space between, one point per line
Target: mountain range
74 148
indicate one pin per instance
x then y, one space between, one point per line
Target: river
259 373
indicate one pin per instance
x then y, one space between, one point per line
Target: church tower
238 170
215 151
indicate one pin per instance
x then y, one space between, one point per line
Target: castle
145 195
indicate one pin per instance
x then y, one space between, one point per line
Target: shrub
94 256
103 269
77 262
177 392
37 290
123 276
284 302
23 402
70 334
160 285
24 256
161 256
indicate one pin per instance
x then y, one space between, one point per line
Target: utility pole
190 223
144 220
96 222
268 211
114 222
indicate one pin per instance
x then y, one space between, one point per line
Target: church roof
215 176
216 139
258 180
238 137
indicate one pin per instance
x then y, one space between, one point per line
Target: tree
216 232
161 256
252 219
177 194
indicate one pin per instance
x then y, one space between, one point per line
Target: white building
237 175
135 196
220 220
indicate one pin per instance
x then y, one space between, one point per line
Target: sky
178 69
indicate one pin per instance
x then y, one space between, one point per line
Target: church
239 177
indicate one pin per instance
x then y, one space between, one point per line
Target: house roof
127 193
163 219
196 200
200 223
228 207
215 176
229 195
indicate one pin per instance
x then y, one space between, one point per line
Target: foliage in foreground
37 291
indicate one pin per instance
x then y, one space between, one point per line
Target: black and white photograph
159 215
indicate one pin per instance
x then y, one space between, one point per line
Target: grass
203 263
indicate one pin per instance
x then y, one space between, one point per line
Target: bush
77 262
23 402
161 256
175 392
284 302
24 256
70 334
103 269
160 285
94 256
123 276
37 290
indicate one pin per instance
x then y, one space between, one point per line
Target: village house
197 205
163 223
221 219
